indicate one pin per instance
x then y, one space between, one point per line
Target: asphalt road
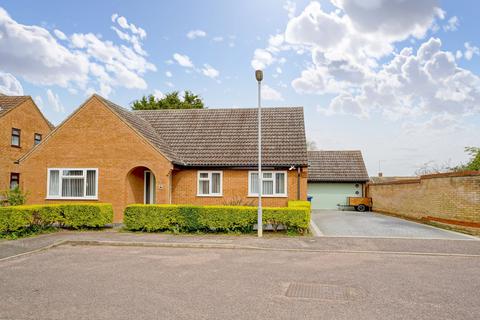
371 224
89 282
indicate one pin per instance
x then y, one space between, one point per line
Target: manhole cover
322 292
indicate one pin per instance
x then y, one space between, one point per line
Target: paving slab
371 224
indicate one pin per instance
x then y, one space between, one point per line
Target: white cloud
59 34
168 74
9 85
158 94
290 7
261 59
470 51
55 102
269 93
193 34
217 39
33 53
210 72
452 24
39 102
183 60
123 23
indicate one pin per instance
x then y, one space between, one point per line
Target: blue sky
395 79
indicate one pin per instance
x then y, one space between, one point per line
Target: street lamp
259 77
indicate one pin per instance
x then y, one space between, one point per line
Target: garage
333 176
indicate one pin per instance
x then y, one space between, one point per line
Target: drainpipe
298 183
170 185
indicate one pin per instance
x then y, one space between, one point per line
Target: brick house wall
29 120
94 137
452 198
235 187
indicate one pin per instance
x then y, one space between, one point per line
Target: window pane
54 186
204 175
280 183
91 183
15 140
14 180
267 187
203 187
72 172
72 187
216 183
253 182
267 175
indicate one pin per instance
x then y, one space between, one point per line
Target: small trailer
359 203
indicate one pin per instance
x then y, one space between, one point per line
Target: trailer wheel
361 208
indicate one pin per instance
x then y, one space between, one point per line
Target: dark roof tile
324 166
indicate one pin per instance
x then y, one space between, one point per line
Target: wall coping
428 176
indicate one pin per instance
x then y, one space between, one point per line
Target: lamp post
259 77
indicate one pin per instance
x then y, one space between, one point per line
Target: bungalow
103 152
335 175
22 125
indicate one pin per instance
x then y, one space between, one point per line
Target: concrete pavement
105 282
371 224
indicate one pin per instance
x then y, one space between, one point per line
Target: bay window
72 183
274 183
209 183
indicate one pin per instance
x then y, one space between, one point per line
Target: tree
474 163
171 100
311 145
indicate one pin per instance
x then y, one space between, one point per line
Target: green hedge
188 218
299 204
70 215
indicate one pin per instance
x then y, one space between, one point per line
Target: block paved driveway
371 224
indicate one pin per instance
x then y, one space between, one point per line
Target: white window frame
210 185
60 177
274 195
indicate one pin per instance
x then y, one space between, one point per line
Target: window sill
14 146
210 195
71 198
268 196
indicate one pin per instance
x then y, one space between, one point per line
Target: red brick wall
452 198
29 120
235 186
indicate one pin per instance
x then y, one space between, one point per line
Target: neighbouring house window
209 183
15 137
274 183
37 138
14 180
72 183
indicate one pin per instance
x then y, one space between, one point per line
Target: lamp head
259 75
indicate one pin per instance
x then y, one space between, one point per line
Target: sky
397 79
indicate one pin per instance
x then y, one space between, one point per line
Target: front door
149 187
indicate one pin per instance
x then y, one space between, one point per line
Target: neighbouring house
22 126
105 153
335 175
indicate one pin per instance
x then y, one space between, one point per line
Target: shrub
15 218
299 204
15 197
211 218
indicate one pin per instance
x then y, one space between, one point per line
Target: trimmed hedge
299 204
139 217
70 215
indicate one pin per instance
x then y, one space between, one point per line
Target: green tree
474 163
171 100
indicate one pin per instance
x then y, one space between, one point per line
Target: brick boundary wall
450 199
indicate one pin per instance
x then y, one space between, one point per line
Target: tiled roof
336 166
144 128
9 102
228 137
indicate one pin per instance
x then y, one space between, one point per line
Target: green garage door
326 195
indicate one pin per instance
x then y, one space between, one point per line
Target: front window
37 139
15 137
14 180
72 183
274 183
209 183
